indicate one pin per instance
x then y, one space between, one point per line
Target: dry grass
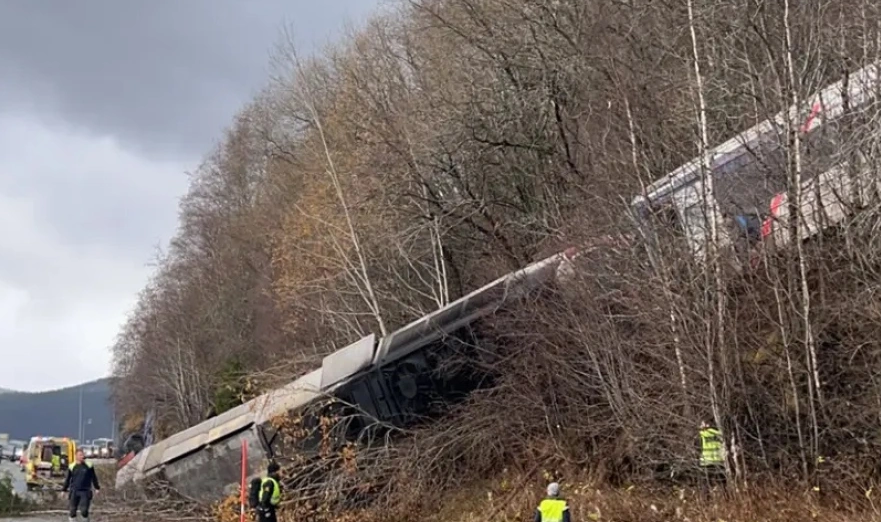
640 504
106 475
485 501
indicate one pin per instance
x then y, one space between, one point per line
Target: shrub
10 502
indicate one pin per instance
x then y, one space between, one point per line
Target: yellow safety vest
711 447
552 509
85 462
276 490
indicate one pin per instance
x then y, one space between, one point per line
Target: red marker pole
244 478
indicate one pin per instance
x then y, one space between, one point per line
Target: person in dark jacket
270 494
80 481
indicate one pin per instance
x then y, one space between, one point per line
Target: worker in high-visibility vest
712 447
270 494
552 508
712 456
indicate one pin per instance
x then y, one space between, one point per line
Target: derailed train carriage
389 380
749 174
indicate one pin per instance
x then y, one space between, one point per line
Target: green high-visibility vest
711 447
276 490
552 509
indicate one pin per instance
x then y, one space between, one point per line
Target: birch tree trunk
710 212
796 198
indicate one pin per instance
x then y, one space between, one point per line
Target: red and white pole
244 479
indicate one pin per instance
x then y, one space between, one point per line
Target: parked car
105 447
10 452
90 451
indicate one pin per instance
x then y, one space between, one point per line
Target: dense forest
446 142
24 415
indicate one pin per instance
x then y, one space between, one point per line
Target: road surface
12 469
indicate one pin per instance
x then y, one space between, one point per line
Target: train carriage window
666 218
821 150
746 182
662 225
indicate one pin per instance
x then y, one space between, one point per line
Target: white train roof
860 86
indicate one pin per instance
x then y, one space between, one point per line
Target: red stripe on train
815 110
768 224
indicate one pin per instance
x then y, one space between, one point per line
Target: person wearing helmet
552 508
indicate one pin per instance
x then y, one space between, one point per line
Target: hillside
450 142
56 412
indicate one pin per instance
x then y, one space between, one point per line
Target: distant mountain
56 412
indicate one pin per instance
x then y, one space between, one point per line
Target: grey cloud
103 105
89 192
163 75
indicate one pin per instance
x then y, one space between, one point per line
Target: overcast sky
104 105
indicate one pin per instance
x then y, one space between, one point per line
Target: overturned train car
750 173
385 379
